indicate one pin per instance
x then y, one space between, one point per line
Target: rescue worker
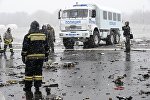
34 51
8 39
126 34
44 29
51 37
1 51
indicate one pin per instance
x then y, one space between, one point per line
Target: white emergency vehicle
89 23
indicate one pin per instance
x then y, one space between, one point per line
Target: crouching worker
34 51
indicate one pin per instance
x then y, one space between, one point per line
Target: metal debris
124 98
144 92
68 64
12 81
146 76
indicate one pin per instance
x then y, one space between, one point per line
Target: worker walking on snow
8 39
34 51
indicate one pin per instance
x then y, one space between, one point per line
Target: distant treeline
138 17
23 19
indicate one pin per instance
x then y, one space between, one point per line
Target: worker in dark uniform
44 29
126 34
34 51
8 39
1 50
51 37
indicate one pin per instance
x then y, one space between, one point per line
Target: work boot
4 53
27 89
29 95
37 95
48 91
12 53
52 50
37 89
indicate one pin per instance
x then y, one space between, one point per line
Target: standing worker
126 34
51 37
44 29
1 51
34 51
8 39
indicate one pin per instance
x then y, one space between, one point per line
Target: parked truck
89 23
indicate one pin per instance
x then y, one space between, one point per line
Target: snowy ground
92 76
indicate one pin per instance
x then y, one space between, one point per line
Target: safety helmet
49 26
127 23
8 29
44 27
34 25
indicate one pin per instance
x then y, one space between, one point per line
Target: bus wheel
68 43
117 39
95 39
85 44
110 39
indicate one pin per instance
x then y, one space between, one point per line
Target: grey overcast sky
30 6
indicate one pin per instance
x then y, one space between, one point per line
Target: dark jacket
51 34
126 30
35 45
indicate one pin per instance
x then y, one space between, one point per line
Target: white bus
89 23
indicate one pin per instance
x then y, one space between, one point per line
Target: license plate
72 34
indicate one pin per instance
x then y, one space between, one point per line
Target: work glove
46 56
46 59
11 40
24 59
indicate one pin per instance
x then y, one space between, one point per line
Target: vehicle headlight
61 34
85 34
89 27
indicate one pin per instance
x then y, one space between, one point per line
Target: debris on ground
21 82
124 98
51 85
11 95
68 65
110 99
87 98
146 76
2 84
144 92
53 97
63 94
111 76
12 81
143 68
51 64
11 74
119 88
101 53
118 81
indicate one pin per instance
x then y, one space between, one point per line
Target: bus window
119 17
105 15
114 16
110 15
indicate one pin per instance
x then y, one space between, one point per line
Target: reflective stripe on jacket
36 56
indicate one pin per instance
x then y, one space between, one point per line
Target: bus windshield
75 13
